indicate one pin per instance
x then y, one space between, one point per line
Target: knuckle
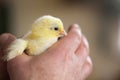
85 44
89 62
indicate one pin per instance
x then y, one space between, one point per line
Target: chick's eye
56 28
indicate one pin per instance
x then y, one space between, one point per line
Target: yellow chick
44 33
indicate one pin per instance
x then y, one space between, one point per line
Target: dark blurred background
4 15
99 21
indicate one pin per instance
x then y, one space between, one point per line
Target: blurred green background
98 19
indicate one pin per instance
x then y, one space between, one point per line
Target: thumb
5 40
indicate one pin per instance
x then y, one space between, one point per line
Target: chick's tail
16 48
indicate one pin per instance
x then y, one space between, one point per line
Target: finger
70 43
87 68
5 40
83 50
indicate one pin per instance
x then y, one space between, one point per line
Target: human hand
68 59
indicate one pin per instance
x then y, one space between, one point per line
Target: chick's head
48 26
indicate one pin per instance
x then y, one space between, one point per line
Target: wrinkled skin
68 59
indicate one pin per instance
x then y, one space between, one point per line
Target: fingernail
74 26
3 39
77 27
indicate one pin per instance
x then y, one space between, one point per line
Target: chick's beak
62 33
